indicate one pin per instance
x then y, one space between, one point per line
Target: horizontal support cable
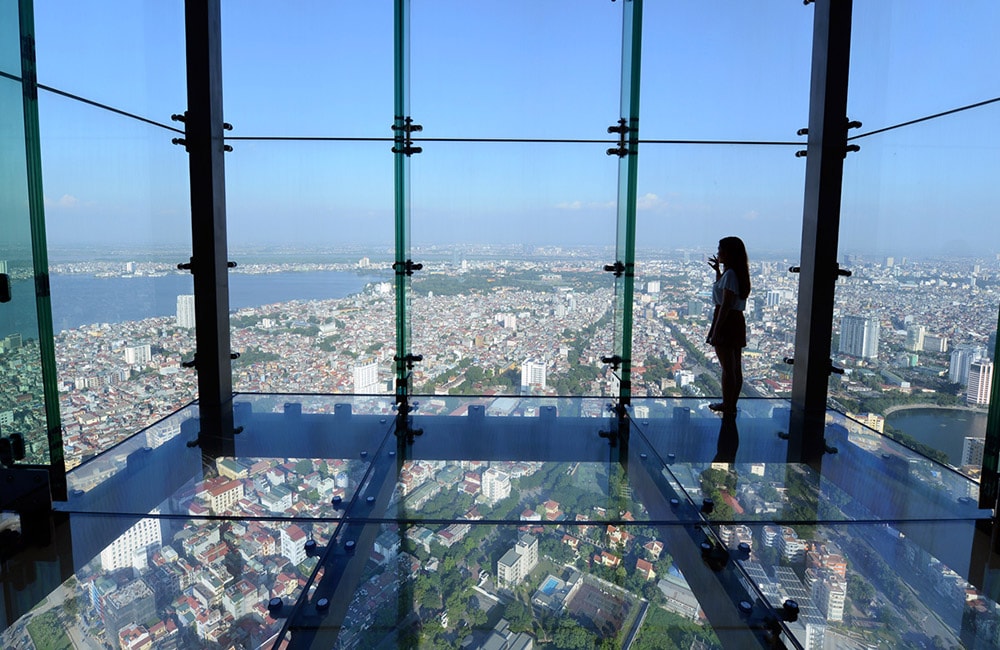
926 118
307 138
766 143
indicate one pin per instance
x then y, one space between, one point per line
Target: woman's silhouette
728 334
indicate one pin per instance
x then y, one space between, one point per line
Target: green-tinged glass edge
39 246
401 173
628 167
989 488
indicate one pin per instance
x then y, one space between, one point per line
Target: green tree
570 635
859 590
519 616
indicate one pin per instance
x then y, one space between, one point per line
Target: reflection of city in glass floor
507 522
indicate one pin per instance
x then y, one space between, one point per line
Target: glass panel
117 215
743 470
327 75
124 54
501 586
22 399
745 76
310 226
542 88
172 583
512 297
915 325
295 457
10 44
908 64
867 585
690 197
648 561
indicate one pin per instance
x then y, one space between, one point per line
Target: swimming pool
550 586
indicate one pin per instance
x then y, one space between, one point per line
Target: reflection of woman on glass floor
728 334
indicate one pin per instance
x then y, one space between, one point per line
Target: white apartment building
366 377
532 374
517 562
980 383
496 485
185 311
130 549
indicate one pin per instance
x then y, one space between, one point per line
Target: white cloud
650 201
65 201
580 205
752 215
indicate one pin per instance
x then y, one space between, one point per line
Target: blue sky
534 69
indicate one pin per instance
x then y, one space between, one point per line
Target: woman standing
728 334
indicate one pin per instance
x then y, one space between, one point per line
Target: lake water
944 429
83 299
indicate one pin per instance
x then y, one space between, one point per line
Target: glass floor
508 522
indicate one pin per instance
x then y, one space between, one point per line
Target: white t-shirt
731 282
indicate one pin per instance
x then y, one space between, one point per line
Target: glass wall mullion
203 123
820 228
627 182
39 250
401 167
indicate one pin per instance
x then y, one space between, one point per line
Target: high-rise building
980 383
859 336
532 375
366 377
972 451
935 343
126 605
517 562
496 485
138 354
129 550
293 544
830 594
507 321
915 338
962 359
185 311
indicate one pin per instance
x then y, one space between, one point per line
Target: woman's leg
730 360
724 355
737 377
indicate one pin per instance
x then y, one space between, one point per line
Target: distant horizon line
125 250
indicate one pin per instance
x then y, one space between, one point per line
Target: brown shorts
734 330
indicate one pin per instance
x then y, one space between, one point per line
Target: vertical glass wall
116 198
513 213
22 398
915 325
723 95
309 195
